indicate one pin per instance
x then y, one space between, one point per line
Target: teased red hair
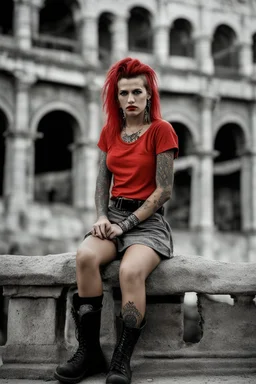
127 68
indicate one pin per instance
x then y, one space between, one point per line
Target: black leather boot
88 359
120 370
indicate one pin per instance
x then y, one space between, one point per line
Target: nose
130 98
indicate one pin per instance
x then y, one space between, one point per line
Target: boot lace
120 357
79 355
80 352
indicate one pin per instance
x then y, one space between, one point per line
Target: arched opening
57 26
229 144
180 40
225 49
53 158
105 38
3 128
140 30
178 210
6 17
254 48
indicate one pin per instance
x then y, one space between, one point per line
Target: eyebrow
134 89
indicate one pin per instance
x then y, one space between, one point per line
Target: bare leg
91 254
138 262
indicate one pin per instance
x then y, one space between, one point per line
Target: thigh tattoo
131 315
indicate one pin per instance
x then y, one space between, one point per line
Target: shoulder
162 126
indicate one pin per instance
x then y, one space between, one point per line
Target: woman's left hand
114 231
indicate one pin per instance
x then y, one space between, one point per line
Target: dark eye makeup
135 92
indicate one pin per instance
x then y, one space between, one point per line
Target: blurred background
54 55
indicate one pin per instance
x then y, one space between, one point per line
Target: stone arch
6 17
229 145
178 209
105 21
233 119
225 48
187 121
61 106
181 38
56 184
229 22
140 31
57 20
53 160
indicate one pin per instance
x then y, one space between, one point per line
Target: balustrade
40 331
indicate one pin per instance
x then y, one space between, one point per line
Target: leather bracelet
130 222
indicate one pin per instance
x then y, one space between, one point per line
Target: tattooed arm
162 193
164 184
102 198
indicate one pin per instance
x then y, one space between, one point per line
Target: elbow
166 194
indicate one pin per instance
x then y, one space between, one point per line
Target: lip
131 108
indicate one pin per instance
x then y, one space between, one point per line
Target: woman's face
132 96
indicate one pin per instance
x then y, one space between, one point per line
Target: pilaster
203 40
248 190
18 141
246 59
161 34
203 199
89 39
22 23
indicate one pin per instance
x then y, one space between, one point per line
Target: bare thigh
103 251
139 261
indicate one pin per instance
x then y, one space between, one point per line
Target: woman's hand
101 228
114 231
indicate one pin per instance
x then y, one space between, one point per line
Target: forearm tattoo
102 187
130 222
131 315
164 175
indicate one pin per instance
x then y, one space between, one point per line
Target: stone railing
40 334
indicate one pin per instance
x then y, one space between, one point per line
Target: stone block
228 329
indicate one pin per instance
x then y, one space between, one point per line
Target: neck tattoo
131 138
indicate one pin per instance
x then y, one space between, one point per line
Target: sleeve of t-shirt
166 138
102 143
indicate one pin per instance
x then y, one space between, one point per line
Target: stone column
246 59
203 40
119 37
18 139
22 23
91 150
161 34
248 189
204 175
204 54
90 40
36 5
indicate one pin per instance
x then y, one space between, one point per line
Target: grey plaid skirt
154 232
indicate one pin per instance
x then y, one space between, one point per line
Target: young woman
137 149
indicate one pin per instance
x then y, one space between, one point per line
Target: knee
131 275
86 258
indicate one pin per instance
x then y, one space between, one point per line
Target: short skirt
154 232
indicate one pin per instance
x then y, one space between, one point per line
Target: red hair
127 68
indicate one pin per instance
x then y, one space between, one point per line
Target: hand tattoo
131 316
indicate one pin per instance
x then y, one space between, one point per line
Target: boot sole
75 380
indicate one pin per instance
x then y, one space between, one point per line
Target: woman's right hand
101 227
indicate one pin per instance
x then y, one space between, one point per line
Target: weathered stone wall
40 332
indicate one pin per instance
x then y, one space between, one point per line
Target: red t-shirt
134 165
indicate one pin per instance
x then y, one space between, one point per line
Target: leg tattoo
131 316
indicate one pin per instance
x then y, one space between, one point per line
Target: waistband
130 204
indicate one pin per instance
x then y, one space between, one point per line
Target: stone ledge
174 276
